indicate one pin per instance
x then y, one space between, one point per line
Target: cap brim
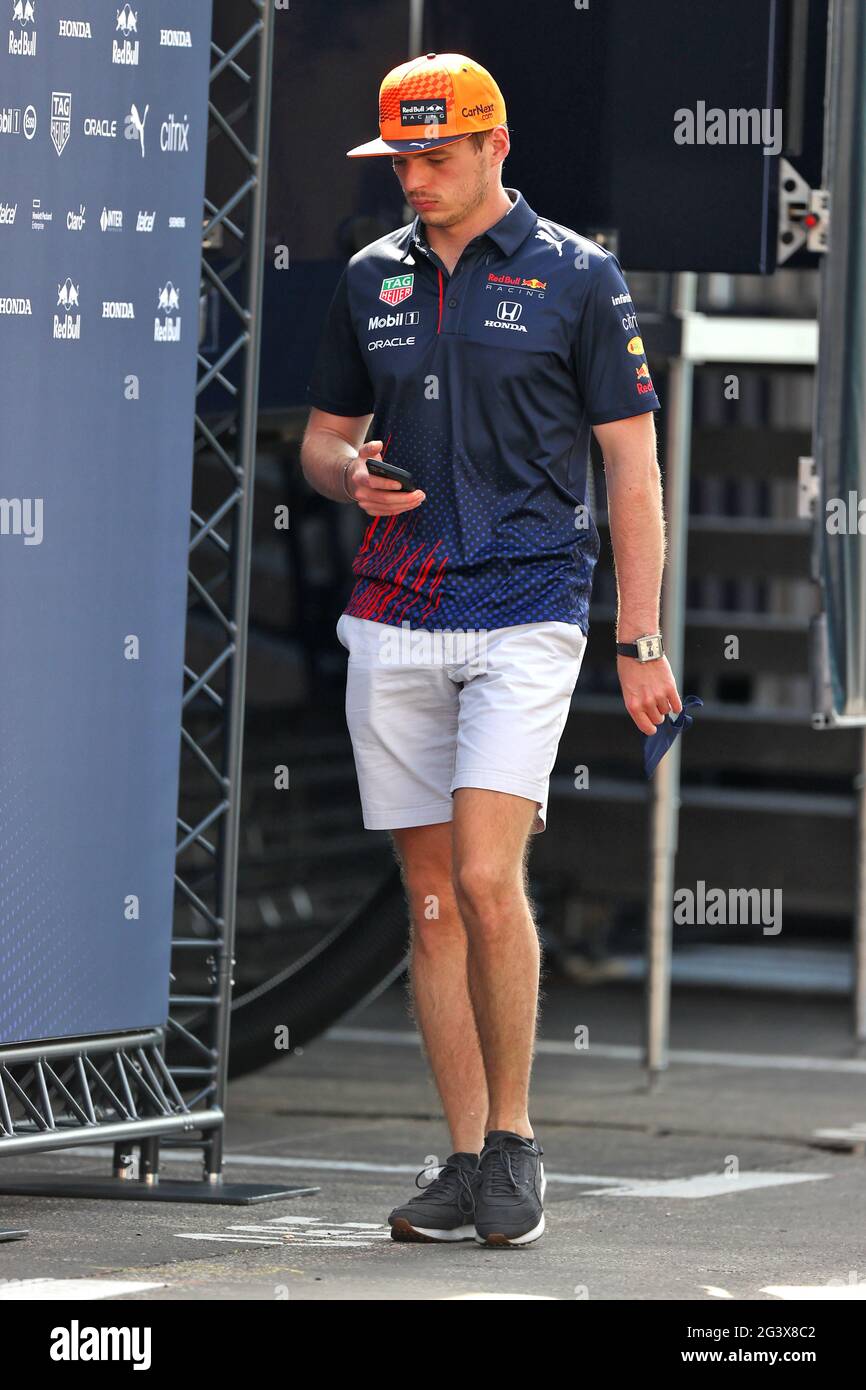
374 147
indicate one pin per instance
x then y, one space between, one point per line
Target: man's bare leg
439 983
490 839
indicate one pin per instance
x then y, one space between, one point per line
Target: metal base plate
132 1190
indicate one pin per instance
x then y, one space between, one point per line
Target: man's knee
487 890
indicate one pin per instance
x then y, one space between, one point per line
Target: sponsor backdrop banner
103 123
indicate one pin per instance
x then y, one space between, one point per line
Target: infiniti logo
509 310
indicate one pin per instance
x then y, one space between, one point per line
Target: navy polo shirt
485 385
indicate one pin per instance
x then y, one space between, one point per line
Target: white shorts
429 712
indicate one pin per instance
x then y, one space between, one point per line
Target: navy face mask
656 745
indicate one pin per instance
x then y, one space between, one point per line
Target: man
486 342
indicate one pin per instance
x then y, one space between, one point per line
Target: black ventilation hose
359 958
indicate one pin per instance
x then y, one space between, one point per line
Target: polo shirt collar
512 228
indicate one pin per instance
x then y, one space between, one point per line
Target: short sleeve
339 382
608 356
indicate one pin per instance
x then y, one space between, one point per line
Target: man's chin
435 217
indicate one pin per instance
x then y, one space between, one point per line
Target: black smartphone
390 470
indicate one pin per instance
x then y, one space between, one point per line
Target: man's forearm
324 455
638 536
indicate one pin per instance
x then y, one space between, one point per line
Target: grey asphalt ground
356 1115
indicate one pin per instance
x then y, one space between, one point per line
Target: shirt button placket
458 304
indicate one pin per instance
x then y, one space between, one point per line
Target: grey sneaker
445 1209
509 1190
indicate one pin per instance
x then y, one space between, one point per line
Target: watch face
649 648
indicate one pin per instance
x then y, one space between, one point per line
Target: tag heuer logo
396 289
61 108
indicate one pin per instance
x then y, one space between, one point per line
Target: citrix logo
174 135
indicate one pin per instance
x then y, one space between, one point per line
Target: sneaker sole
401 1229
496 1238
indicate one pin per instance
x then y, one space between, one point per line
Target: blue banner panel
103 125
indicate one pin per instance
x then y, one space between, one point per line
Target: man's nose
413 179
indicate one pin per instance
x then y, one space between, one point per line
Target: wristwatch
648 648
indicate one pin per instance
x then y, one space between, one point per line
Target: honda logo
509 310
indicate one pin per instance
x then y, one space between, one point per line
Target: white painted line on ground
849 1138
46 1289
295 1220
336 1165
622 1053
235 1240
450 1297
347 1228
619 1186
308 1220
309 1233
706 1185
818 1292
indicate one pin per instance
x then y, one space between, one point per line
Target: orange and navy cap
432 101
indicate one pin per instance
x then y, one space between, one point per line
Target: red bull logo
517 282
644 382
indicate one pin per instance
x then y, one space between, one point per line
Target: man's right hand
378 496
